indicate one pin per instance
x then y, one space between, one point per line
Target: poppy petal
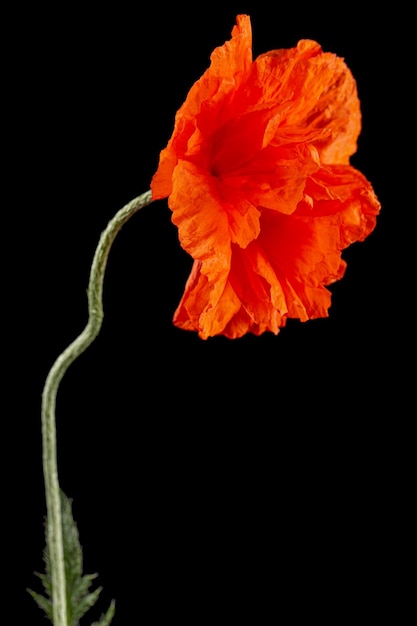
201 109
321 97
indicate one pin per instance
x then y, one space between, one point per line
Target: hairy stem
77 347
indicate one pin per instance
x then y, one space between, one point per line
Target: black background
261 472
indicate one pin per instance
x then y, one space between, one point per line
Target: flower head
258 179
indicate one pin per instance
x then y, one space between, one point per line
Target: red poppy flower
258 179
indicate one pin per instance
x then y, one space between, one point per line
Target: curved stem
77 347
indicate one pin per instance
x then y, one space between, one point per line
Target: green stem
77 347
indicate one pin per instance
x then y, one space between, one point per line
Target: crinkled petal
209 219
196 310
202 110
276 177
255 282
244 306
305 248
343 192
210 216
203 227
321 97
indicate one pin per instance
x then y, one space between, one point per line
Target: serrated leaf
106 619
45 581
84 603
81 587
79 597
43 603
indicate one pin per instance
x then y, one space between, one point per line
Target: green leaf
107 618
79 597
43 603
